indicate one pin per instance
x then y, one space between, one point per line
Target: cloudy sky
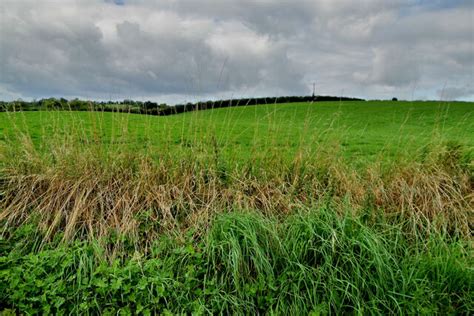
184 50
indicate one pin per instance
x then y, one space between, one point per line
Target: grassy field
322 208
359 129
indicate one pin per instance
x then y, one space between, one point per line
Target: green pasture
354 129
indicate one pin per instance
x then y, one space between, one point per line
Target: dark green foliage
313 262
153 108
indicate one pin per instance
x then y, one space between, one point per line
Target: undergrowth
312 262
92 226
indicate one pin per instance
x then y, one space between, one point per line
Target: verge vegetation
248 210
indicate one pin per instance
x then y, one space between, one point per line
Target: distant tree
19 105
50 103
75 104
128 102
394 99
148 105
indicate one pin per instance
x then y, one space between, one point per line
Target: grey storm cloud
449 93
178 49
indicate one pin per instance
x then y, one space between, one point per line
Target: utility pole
314 85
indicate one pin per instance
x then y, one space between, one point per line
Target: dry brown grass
86 191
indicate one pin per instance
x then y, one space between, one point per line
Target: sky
178 51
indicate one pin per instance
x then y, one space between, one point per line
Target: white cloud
455 93
393 67
182 49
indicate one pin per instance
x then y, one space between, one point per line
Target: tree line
153 108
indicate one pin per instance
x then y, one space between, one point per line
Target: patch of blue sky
116 2
418 6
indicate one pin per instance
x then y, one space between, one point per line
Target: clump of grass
313 262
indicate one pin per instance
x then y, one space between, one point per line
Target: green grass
312 263
358 130
325 208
